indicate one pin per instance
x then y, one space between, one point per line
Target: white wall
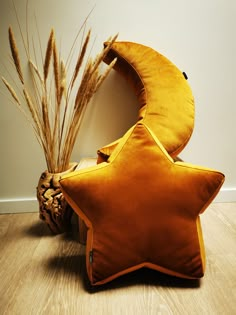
198 36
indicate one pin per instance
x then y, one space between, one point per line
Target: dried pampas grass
55 103
15 54
48 55
11 90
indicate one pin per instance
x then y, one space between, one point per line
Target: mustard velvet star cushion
142 209
165 97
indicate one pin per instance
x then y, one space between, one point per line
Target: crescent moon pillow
165 97
142 207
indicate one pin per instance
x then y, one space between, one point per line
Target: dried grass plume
56 102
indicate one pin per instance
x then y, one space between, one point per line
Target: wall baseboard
31 204
19 205
226 195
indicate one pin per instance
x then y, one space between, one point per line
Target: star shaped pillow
142 209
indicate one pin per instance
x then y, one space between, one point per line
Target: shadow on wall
112 112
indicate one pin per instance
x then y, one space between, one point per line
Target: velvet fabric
141 204
142 209
165 97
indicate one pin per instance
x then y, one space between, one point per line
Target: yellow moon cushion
166 100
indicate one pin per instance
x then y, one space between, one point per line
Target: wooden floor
45 274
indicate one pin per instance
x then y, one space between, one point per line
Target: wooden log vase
53 208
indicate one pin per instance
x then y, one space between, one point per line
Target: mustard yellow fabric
141 204
142 209
165 97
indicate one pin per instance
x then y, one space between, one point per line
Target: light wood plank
45 274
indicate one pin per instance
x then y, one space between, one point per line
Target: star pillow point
142 209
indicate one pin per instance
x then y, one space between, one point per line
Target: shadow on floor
39 229
145 276
76 266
